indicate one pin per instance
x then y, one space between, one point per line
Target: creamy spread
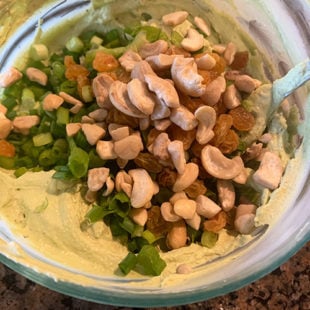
40 217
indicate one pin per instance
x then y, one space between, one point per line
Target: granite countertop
287 287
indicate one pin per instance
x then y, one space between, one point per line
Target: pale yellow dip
40 217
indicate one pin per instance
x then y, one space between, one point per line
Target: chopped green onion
39 52
20 171
149 261
78 162
128 263
149 236
7 162
42 139
75 44
209 239
62 115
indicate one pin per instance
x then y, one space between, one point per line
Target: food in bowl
139 138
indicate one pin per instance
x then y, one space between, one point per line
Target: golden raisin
148 162
82 80
221 128
230 143
152 135
192 104
240 60
195 189
220 64
177 133
176 50
197 148
243 120
216 223
208 76
116 116
7 149
73 72
166 178
155 222
104 62
220 107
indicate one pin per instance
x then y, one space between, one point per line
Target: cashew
230 52
73 128
185 208
207 207
160 111
226 194
161 61
219 48
129 59
110 187
177 154
185 76
231 97
70 99
142 189
202 25
141 97
100 86
163 89
10 77
184 269
36 75
194 41
205 62
182 117
140 69
90 196
139 216
269 172
129 147
3 109
99 115
177 196
52 102
160 146
93 133
97 178
177 236
214 91
167 212
87 120
23 124
123 182
187 178
6 126
162 124
118 132
154 48
105 150
194 222
244 219
119 97
218 165
206 117
175 18
246 83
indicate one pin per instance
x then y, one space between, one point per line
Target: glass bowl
281 31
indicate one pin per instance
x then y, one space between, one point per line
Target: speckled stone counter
287 287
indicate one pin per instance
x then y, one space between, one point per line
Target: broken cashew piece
177 236
185 208
245 218
154 48
206 117
207 207
214 91
177 154
97 178
226 193
167 212
184 118
129 147
175 18
218 165
202 25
